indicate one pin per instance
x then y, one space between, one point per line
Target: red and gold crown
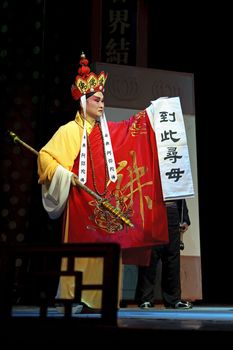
87 81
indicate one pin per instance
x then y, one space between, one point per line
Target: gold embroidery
149 202
123 198
139 125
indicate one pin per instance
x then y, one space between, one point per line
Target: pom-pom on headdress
87 81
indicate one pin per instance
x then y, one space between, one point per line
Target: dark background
41 43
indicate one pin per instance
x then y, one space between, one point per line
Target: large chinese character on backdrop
119 27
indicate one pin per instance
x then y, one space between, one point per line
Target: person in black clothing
178 223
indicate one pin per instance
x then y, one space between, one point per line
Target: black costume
169 254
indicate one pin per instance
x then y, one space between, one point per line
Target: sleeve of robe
55 160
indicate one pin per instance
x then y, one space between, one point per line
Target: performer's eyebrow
98 99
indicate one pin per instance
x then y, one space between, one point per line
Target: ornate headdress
86 81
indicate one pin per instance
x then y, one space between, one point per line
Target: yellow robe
63 148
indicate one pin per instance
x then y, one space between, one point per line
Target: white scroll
174 163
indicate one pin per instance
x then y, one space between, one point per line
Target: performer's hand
73 179
184 227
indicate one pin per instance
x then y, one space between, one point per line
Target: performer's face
95 105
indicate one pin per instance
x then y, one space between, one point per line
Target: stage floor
134 326
199 317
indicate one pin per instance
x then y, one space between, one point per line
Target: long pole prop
103 201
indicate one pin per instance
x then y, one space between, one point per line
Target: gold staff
103 201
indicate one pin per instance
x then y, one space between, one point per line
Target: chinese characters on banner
119 27
174 163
